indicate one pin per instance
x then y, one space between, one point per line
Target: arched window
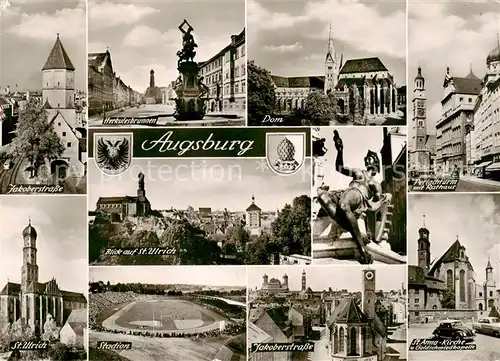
480 306
449 278
462 286
341 340
353 342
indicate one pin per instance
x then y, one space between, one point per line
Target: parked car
455 330
488 326
8 164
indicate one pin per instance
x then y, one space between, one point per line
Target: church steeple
29 270
331 69
424 247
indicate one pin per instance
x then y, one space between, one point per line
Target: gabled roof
74 297
253 208
467 85
450 255
299 81
78 327
364 65
58 58
11 289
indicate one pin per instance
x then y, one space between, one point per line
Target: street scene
310 64
329 307
453 281
185 67
183 314
43 100
344 169
453 139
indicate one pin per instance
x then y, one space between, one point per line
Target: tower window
69 145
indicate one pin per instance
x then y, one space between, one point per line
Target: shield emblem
113 152
285 152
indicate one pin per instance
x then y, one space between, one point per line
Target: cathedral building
421 150
254 218
357 333
427 282
364 88
126 206
485 132
457 107
31 302
274 285
58 92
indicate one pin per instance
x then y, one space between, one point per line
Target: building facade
100 82
31 302
253 218
457 106
225 75
487 294
274 285
485 131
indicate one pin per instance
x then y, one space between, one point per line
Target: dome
29 231
494 55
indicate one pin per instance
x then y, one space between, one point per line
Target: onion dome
29 231
494 55
419 74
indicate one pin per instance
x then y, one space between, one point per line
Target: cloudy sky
219 184
354 151
190 275
28 31
474 218
61 225
320 278
447 33
143 35
290 38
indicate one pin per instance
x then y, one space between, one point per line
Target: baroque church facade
58 94
31 302
364 88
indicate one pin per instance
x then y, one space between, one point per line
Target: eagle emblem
113 152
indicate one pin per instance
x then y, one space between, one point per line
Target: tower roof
58 58
488 266
348 312
29 231
419 74
494 55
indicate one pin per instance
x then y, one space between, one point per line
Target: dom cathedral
31 302
364 88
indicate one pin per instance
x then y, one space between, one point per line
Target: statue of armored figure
364 194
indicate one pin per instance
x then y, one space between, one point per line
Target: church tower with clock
419 156
424 248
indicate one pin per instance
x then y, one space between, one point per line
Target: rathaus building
30 302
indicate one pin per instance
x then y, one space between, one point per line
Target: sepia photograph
167 313
327 63
167 63
200 211
43 278
454 137
453 279
359 195
332 312
43 98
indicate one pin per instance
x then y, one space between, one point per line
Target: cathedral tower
304 281
29 270
152 78
58 81
141 188
331 68
424 248
419 128
368 296
489 274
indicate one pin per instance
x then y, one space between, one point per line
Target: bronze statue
188 45
364 194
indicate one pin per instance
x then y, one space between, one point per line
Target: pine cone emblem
286 150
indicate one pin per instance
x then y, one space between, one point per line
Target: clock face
421 112
369 275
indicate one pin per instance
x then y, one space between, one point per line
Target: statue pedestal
189 105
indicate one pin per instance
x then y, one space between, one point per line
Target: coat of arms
113 152
285 152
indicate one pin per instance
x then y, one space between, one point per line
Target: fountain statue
349 207
191 93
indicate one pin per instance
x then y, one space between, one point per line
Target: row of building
468 131
107 91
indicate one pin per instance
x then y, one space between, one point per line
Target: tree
35 137
494 312
239 236
292 227
261 94
448 299
319 109
258 251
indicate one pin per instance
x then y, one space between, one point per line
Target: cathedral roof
348 312
11 289
452 254
299 81
364 65
29 231
123 199
74 297
58 58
